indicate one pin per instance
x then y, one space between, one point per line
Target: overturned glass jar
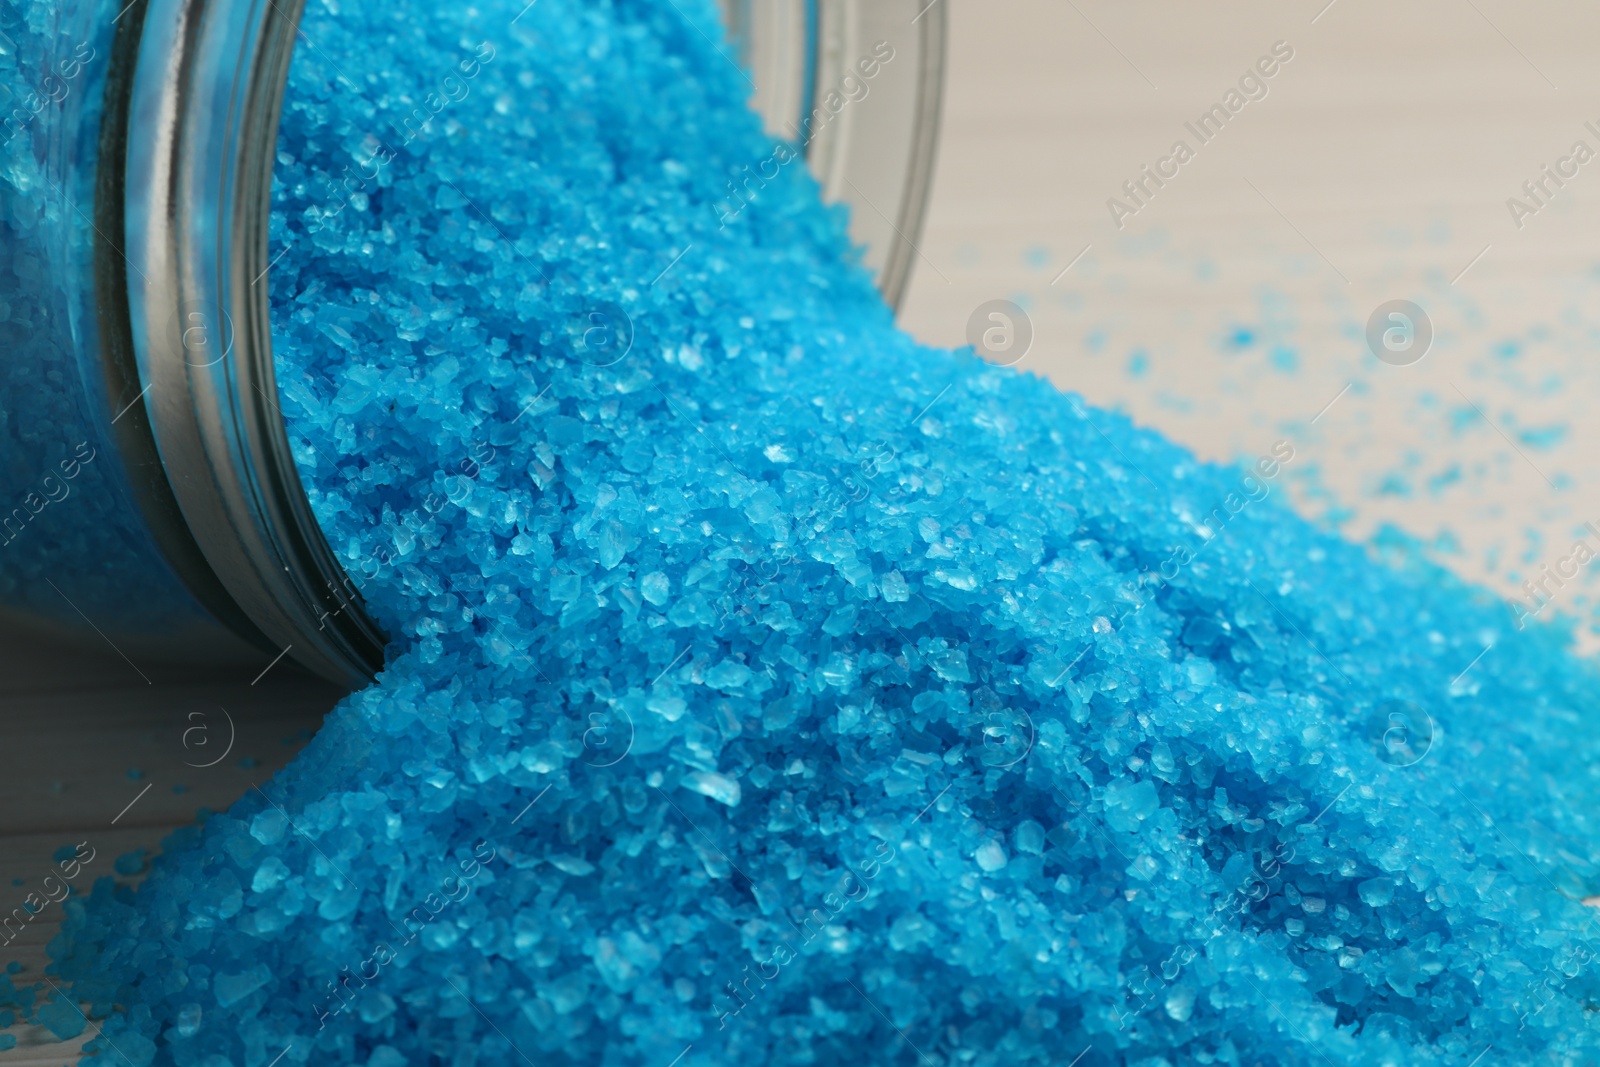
147 490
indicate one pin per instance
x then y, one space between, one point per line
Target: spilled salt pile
768 689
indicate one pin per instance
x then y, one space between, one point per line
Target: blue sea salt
718 787
232 988
742 707
991 856
130 863
61 1017
188 1020
1376 892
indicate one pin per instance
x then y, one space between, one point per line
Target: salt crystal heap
784 692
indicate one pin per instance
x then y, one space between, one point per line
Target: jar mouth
194 94
859 84
203 93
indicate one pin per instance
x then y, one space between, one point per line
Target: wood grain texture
91 754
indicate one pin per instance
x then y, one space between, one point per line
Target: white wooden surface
78 723
1377 167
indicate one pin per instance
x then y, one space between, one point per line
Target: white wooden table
1377 167
92 754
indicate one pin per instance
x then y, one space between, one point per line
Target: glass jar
859 84
148 496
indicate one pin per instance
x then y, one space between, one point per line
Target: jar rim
185 297
205 94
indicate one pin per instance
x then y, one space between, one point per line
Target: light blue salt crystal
781 713
440 936
375 1007
574 865
339 904
61 1017
269 875
1161 759
991 856
1377 892
718 787
188 1021
909 931
639 951
950 665
729 675
1402 972
565 588
670 708
568 993
1239 867
839 671
1128 803
232 988
386 1056
269 826
135 1050
613 545
841 620
655 588
1029 837
218 898
614 968
542 758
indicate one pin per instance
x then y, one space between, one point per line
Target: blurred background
1231 308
